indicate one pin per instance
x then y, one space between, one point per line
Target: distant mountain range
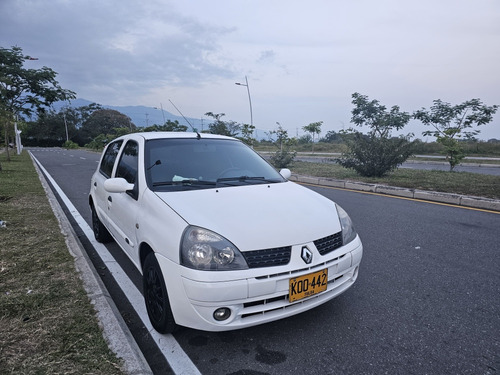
142 116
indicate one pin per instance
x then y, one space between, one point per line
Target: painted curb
456 199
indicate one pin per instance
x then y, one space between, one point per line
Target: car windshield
187 164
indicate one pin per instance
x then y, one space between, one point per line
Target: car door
123 208
106 167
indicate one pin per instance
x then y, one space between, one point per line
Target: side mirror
117 185
286 173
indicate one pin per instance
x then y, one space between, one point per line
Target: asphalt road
426 300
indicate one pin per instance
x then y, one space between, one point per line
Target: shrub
282 158
373 156
69 145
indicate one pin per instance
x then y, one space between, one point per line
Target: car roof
188 135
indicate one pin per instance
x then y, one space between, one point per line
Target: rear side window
127 167
109 158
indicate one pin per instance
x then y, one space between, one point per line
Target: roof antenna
192 127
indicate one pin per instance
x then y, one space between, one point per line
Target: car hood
258 216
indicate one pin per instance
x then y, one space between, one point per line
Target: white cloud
303 60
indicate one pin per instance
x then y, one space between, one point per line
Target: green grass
47 323
448 182
442 159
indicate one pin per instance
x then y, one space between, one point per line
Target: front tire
156 296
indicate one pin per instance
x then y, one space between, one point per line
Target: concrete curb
115 330
456 199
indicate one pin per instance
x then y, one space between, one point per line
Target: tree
169 126
313 128
332 137
52 128
376 153
83 113
247 134
284 156
24 91
49 129
105 121
451 123
229 128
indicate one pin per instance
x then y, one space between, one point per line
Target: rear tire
156 296
101 234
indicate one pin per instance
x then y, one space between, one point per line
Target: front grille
270 305
328 244
278 256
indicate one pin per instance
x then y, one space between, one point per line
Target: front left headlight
348 232
202 249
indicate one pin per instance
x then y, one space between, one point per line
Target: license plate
307 285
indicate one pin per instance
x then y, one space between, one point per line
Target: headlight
202 249
348 232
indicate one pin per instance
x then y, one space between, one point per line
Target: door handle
109 198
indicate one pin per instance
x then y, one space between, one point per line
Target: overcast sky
303 59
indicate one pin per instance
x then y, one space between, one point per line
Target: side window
106 167
127 167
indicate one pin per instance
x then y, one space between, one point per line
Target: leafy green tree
284 156
169 126
229 128
5 118
81 114
453 123
332 137
26 91
313 128
377 153
105 121
49 129
247 134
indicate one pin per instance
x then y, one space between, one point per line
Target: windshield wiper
185 182
245 179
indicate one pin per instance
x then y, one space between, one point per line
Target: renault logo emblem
306 255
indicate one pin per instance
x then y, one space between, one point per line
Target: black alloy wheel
156 296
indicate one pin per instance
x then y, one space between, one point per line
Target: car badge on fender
306 255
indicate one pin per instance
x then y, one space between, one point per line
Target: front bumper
255 296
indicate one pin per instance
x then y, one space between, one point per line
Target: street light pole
249 98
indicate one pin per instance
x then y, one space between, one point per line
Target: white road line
168 345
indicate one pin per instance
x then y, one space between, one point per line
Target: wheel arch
144 250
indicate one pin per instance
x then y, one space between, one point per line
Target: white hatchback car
223 240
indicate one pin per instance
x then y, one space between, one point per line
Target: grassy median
463 183
47 323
